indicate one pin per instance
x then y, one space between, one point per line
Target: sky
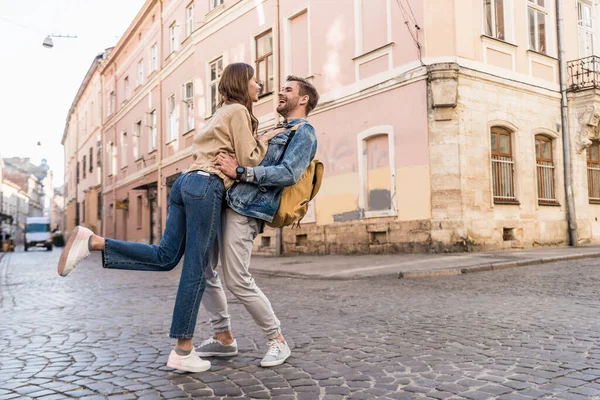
38 85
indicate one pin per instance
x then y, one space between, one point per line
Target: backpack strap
290 137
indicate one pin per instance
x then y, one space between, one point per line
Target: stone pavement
525 333
413 265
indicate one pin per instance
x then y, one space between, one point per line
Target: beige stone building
439 123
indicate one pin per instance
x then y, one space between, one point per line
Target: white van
38 233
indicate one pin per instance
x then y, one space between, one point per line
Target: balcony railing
583 74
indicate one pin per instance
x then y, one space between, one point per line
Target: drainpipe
566 137
276 86
159 130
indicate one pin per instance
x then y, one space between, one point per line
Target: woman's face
254 88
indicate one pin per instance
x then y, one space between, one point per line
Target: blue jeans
193 223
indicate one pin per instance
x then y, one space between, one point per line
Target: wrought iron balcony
583 74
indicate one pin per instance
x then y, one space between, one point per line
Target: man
253 200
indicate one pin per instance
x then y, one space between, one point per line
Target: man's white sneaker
277 354
190 363
75 250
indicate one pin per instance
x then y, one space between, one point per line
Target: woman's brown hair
233 88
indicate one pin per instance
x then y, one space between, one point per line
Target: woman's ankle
96 243
185 344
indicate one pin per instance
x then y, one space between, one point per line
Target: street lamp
49 43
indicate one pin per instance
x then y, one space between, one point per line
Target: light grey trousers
238 234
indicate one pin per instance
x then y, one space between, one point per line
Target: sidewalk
409 266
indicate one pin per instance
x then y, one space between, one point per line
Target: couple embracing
216 210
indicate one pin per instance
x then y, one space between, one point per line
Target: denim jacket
261 199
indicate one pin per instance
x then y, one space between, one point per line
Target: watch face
240 170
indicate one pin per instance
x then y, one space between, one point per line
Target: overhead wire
410 19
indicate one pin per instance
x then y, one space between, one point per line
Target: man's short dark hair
306 89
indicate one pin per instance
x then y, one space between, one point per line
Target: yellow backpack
294 199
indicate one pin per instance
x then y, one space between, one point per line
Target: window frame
154 58
265 57
153 130
215 4
538 9
586 30
214 83
123 149
494 20
127 87
594 167
140 77
171 120
189 19
188 99
539 160
173 37
362 140
496 185
137 140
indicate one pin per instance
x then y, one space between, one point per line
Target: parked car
38 233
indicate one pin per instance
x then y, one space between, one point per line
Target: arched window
593 168
503 172
377 171
544 162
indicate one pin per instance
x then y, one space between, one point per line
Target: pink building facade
439 122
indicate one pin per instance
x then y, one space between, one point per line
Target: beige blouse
228 131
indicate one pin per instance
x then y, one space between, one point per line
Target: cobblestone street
513 334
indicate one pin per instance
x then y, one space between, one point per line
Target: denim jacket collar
289 124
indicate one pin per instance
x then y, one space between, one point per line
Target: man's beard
287 107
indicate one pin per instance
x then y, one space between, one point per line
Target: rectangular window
216 69
99 154
139 212
536 20
112 103
264 61
502 166
91 159
215 3
84 167
189 20
112 159
545 170
77 172
593 169
585 18
137 140
173 37
83 211
153 58
494 18
188 99
171 111
153 130
123 149
127 89
140 73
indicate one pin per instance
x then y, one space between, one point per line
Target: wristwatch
239 171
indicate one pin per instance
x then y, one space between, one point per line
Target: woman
194 215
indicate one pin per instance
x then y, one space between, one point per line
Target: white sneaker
277 354
189 363
75 250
